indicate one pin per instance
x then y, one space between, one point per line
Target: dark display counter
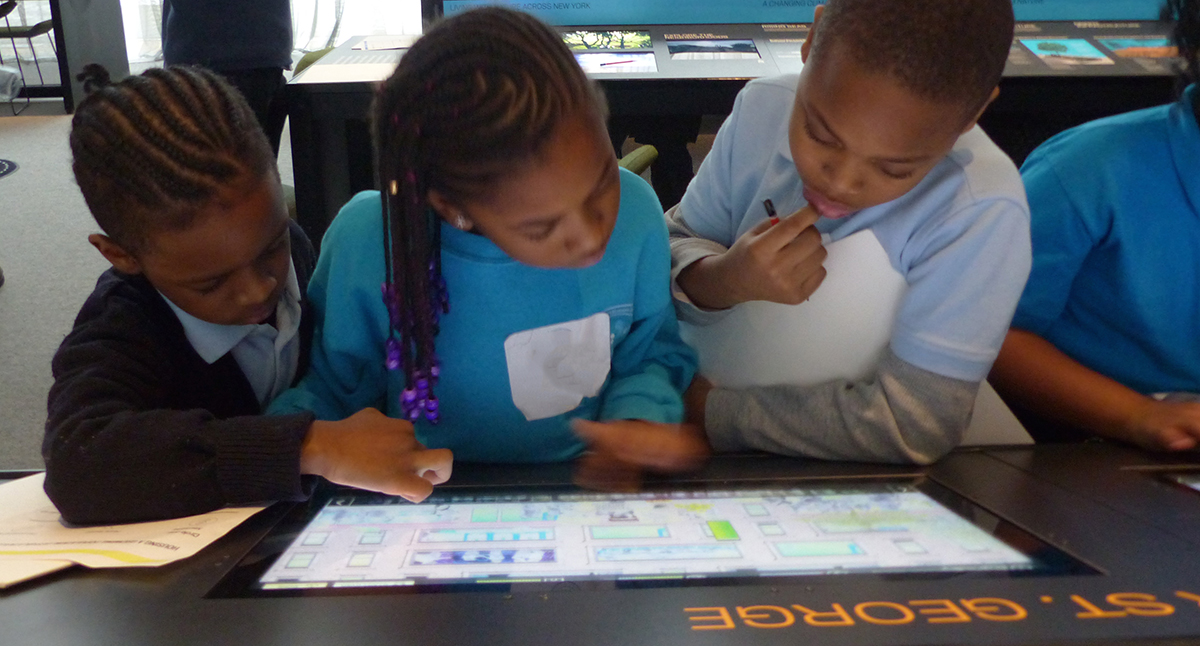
1107 507
1059 74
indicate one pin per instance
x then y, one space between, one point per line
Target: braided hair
475 98
150 151
1185 14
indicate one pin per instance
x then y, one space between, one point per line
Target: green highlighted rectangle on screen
723 530
485 515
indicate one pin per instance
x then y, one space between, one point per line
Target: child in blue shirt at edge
155 410
877 132
1110 318
507 231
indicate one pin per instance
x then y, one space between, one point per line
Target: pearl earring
461 223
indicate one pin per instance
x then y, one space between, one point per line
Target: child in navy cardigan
156 407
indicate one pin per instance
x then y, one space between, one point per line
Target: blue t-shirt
960 237
514 334
1116 244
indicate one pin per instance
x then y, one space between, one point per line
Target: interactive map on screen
365 540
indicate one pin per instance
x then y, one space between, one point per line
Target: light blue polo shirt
1116 241
267 354
960 237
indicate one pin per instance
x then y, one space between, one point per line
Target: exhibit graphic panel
618 12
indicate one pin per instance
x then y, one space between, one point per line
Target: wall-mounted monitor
660 12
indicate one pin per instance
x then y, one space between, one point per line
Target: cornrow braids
149 151
476 97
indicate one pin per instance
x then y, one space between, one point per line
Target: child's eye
813 135
540 234
278 245
896 175
209 287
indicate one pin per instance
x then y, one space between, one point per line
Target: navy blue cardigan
141 428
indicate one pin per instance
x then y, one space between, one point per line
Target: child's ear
812 31
975 119
449 211
121 260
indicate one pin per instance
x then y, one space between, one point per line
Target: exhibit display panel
606 12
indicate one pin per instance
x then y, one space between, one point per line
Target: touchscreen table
1191 480
702 536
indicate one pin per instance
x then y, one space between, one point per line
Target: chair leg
36 63
17 61
13 42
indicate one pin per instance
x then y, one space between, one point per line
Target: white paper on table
347 73
552 368
391 41
14 572
33 539
840 333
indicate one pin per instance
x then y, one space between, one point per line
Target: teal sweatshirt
523 349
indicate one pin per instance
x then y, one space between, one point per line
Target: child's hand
779 263
620 450
370 450
1165 425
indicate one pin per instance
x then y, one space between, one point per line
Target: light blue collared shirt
267 354
960 237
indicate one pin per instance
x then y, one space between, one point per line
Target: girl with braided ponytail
1106 339
155 411
525 278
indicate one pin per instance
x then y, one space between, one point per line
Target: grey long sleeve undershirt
904 414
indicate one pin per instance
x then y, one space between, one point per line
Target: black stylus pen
770 207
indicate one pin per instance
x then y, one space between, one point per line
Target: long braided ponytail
479 94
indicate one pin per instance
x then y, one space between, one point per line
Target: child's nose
844 177
590 232
256 286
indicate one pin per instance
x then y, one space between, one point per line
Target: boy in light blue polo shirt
878 132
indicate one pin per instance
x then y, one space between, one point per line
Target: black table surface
1098 502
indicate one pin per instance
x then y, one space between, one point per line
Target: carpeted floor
49 268
48 265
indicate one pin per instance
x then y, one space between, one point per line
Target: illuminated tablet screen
1190 480
464 539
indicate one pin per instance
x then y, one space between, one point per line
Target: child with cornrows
155 411
525 292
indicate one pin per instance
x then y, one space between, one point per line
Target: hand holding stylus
779 260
